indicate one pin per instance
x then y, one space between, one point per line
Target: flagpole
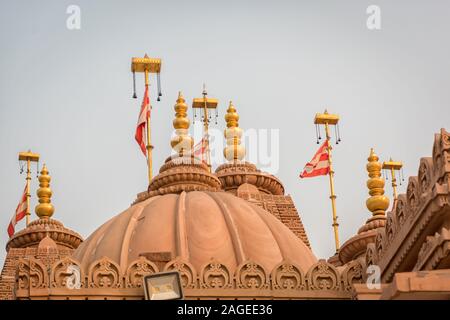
206 103
28 157
392 166
332 194
206 127
326 120
147 65
28 191
149 135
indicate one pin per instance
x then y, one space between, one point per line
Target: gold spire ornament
28 157
233 151
328 120
44 209
147 65
205 104
393 166
181 143
377 203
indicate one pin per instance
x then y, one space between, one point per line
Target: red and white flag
200 150
142 121
319 165
20 213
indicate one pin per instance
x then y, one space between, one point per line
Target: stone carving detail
287 276
215 275
371 255
425 174
186 270
353 273
137 270
104 273
390 225
441 153
400 210
250 275
63 274
379 241
434 251
323 276
412 194
32 274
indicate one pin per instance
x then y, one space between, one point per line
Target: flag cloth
20 213
319 165
200 150
142 121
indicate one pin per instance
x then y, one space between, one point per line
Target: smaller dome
232 175
40 229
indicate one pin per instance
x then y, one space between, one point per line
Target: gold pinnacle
233 151
181 143
44 209
377 203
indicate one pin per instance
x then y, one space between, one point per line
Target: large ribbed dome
197 226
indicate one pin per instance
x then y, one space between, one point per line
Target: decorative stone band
104 279
233 175
39 229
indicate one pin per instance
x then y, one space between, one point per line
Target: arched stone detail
287 276
425 176
371 255
250 275
400 211
380 241
23 274
67 273
104 273
32 274
441 153
187 272
353 273
323 276
137 270
412 194
390 226
215 275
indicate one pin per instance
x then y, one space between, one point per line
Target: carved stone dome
196 226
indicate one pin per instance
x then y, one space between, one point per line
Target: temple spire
377 203
233 151
44 209
181 143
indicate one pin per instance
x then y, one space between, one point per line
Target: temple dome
196 226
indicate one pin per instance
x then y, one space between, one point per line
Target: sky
66 94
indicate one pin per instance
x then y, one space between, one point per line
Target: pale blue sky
67 93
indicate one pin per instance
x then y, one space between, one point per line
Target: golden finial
233 151
377 203
182 143
44 209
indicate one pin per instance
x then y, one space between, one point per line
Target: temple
236 234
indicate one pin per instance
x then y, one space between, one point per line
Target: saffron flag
142 121
200 150
20 213
319 165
